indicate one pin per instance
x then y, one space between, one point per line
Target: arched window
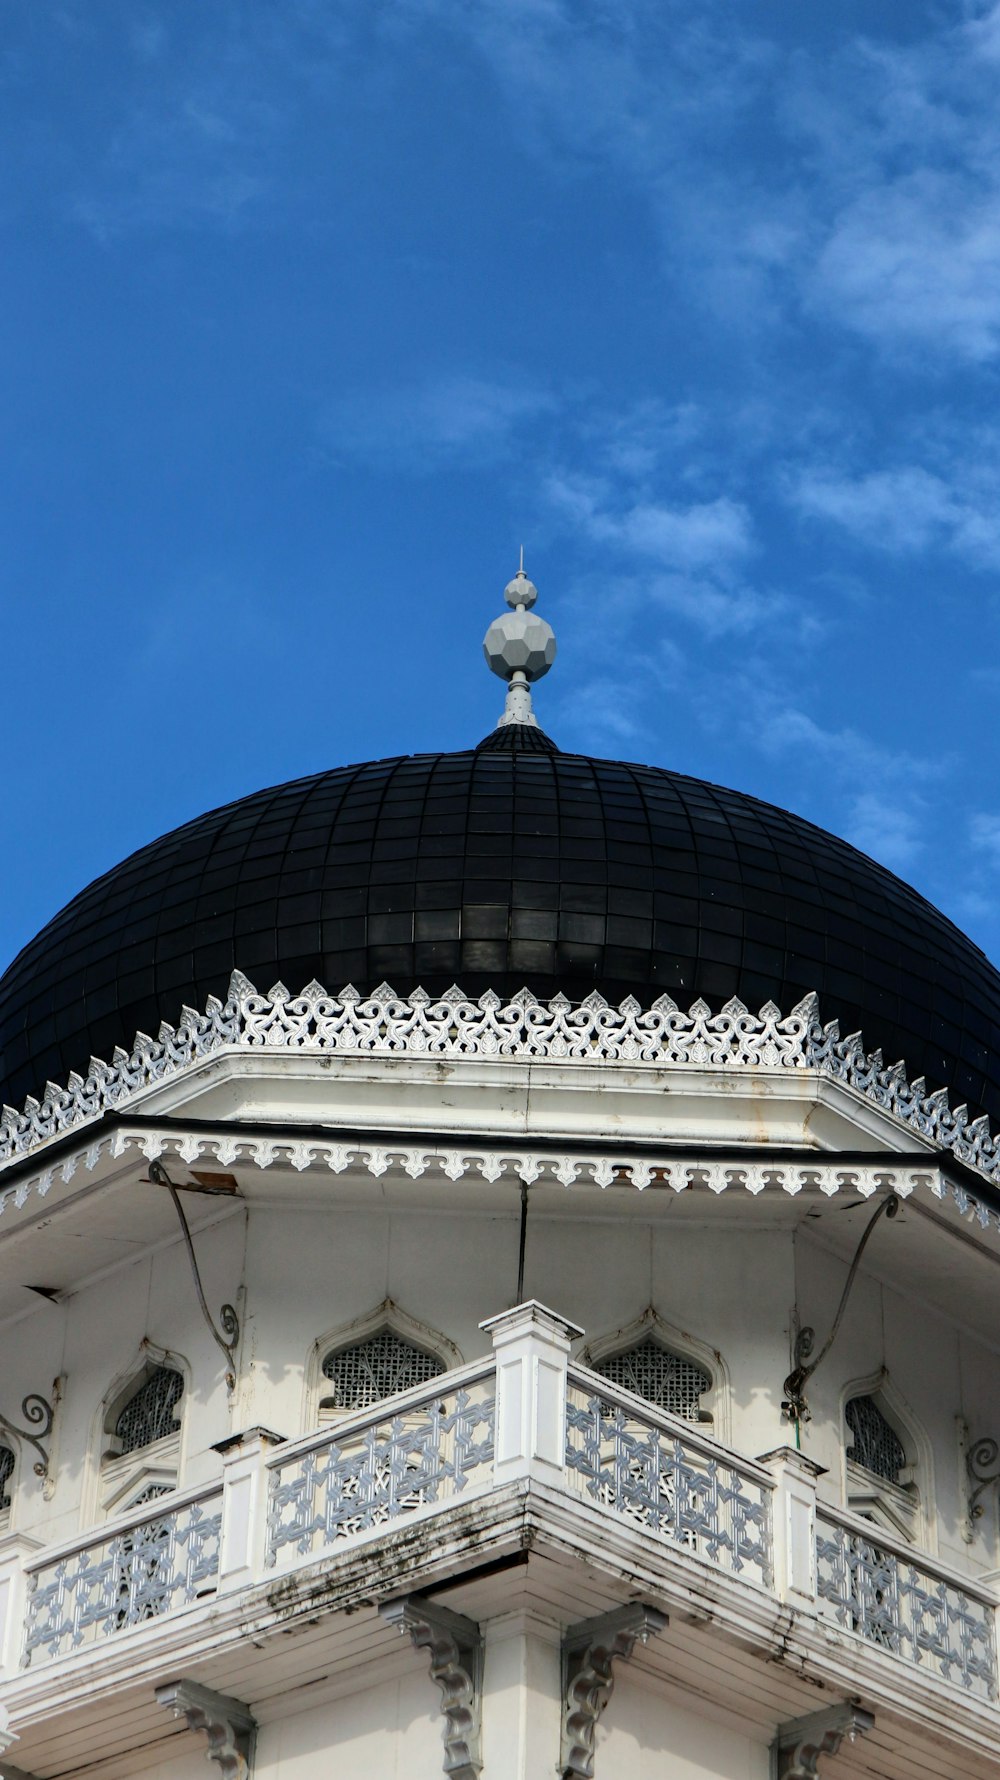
672 1381
875 1445
7 1463
149 1413
366 1372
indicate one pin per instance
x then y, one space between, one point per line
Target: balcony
526 1432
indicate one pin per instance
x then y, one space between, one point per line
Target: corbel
230 1726
588 1651
455 1646
7 1739
799 1744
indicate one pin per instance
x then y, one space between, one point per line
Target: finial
519 647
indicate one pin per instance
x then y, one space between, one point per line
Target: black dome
503 867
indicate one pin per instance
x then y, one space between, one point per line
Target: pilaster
16 1549
794 1524
532 1353
244 1506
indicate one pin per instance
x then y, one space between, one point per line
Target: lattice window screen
371 1370
669 1380
7 1463
149 1415
876 1446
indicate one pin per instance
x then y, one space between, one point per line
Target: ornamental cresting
454 1026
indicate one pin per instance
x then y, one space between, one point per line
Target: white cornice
375 1154
523 1030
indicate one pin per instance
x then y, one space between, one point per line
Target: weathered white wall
646 1735
299 1271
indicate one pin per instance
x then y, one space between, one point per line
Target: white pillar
15 1551
522 1696
794 1521
532 1351
244 1507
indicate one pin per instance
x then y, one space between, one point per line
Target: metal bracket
588 1651
456 1652
799 1744
981 1457
39 1413
228 1339
230 1726
795 1408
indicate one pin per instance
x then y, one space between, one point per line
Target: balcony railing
130 1572
525 1416
890 1595
660 1473
375 1468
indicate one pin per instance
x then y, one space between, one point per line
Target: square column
532 1352
244 1506
794 1523
522 1697
16 1549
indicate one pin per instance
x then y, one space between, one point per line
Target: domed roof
507 866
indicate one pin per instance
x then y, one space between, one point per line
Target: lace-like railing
425 1447
656 1472
876 1587
452 1025
164 1559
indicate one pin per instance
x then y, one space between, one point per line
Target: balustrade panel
890 1597
167 1559
368 1473
655 1470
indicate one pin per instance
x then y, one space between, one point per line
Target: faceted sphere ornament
519 640
520 591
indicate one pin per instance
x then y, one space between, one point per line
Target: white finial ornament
520 648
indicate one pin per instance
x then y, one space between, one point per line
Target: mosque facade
588 1370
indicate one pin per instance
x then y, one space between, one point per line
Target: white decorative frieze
523 1029
472 1159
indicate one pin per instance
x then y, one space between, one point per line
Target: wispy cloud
454 417
883 792
984 835
909 509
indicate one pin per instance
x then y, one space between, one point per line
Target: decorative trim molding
456 1657
588 1651
229 1726
375 1156
593 1032
417 1026
800 1743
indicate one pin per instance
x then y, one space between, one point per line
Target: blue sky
311 313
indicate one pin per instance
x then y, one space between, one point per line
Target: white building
473 1427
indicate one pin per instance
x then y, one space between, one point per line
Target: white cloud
886 828
909 509
419 425
715 535
916 263
984 835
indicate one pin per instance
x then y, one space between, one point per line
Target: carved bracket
39 1413
588 1651
230 1726
456 1652
799 1744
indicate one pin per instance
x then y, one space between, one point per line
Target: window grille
368 1371
7 1463
875 1445
149 1414
669 1380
